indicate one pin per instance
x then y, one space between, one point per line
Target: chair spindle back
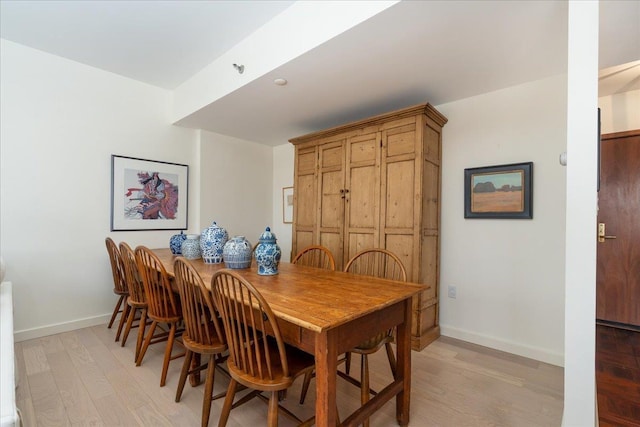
315 256
134 281
378 263
117 267
248 320
160 297
200 316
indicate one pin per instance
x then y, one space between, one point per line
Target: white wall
581 216
283 162
509 274
61 121
620 112
236 185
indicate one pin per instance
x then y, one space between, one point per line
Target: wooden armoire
375 183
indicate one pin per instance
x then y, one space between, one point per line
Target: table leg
403 372
326 373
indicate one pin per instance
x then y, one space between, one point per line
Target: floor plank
83 377
77 402
618 376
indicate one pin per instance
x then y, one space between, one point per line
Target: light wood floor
85 378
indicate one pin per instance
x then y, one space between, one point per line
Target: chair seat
299 362
136 304
171 319
215 347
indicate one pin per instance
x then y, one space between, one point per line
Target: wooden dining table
326 313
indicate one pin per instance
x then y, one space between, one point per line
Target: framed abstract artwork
504 191
148 194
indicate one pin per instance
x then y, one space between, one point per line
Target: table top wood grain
313 298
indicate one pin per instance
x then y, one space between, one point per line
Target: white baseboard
535 353
523 350
28 334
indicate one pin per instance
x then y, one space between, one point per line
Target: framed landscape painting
503 191
148 194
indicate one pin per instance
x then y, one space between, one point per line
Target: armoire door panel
305 203
401 198
430 202
432 144
357 242
306 161
303 239
333 242
401 140
332 157
363 149
332 203
402 245
429 264
362 200
362 193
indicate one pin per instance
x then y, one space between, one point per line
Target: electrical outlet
451 291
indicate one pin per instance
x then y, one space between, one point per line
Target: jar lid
267 236
193 236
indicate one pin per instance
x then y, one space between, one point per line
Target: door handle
602 235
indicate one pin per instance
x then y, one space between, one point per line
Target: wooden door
362 195
330 202
401 213
305 198
618 264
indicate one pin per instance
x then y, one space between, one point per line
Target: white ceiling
162 43
413 52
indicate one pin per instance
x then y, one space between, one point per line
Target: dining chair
203 333
261 362
119 285
315 256
163 306
385 264
137 300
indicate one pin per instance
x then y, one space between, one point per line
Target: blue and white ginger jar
175 243
237 253
191 247
212 243
267 254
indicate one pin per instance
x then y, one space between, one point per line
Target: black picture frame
502 191
148 194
